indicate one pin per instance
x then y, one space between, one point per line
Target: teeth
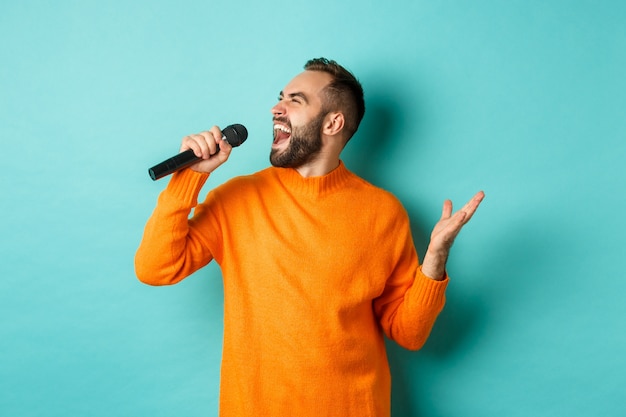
282 128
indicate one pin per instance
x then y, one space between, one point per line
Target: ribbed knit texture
315 270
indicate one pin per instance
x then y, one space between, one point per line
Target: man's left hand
444 233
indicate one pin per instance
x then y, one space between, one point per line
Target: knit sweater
315 270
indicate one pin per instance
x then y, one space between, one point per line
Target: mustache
283 120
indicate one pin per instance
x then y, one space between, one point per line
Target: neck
325 161
313 186
316 170
319 166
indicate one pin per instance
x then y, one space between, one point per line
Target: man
317 263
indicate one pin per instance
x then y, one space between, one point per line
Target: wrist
434 264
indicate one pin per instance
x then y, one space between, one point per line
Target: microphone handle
175 163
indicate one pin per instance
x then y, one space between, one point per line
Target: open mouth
281 133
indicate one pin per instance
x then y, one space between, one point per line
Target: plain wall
522 99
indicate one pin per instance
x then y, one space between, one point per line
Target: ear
333 123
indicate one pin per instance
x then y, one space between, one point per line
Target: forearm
410 321
170 250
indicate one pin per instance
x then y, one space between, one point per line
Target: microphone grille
235 134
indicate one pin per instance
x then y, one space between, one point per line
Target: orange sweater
314 270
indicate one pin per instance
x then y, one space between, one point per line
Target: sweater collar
314 186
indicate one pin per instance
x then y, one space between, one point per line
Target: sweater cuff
185 185
432 292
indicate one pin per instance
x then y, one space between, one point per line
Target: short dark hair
344 92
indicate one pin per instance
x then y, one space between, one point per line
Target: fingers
205 144
222 145
446 230
447 209
199 143
452 223
210 147
470 208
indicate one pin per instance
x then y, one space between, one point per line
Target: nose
279 109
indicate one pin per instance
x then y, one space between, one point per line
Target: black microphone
234 135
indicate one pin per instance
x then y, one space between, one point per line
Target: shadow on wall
382 129
465 322
487 302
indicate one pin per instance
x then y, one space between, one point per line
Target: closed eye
298 98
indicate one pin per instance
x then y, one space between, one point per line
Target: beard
304 145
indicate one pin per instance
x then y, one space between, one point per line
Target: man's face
298 120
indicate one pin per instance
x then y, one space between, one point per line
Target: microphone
234 135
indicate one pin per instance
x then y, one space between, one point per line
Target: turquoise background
523 99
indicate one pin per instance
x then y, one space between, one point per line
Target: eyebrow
296 94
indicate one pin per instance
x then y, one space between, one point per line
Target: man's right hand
204 145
